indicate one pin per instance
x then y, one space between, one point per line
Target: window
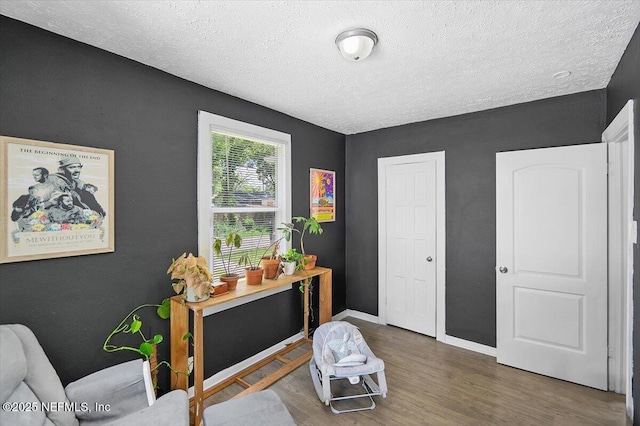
244 180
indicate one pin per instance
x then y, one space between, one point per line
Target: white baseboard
472 346
235 369
355 314
339 317
450 340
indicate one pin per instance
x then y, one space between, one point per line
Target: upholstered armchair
32 394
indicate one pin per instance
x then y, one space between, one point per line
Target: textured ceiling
433 59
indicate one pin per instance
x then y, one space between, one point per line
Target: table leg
325 297
198 365
307 283
179 348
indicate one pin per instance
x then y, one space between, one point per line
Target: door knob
429 259
503 269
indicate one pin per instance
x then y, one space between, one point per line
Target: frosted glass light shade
356 45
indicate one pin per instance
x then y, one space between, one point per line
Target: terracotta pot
219 288
253 276
270 267
310 261
231 280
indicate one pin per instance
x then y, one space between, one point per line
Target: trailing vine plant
132 324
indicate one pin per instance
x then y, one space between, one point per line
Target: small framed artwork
322 197
57 200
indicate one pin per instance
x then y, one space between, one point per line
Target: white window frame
208 123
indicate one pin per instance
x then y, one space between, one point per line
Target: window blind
244 198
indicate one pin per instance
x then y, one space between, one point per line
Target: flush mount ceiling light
356 45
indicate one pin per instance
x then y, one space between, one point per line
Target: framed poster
57 200
323 203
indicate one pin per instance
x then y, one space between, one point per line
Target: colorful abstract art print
323 201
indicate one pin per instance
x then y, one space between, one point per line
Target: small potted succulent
193 275
230 276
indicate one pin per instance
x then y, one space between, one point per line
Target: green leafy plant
292 255
132 325
233 239
309 225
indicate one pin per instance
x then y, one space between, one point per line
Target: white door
410 235
551 273
619 137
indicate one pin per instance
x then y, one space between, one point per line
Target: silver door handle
503 269
429 259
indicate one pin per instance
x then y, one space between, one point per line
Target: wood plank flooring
431 383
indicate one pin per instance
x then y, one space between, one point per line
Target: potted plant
271 261
230 276
252 261
291 261
310 225
193 275
132 324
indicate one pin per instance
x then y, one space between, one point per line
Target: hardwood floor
431 383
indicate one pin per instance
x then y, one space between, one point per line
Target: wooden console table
180 327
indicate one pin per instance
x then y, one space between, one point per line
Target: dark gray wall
55 89
470 142
625 85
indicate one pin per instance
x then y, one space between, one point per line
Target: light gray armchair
32 394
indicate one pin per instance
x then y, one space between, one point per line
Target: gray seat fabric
30 384
324 366
27 376
337 329
165 411
261 408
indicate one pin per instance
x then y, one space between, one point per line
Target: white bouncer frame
322 383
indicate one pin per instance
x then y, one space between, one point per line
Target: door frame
383 162
622 236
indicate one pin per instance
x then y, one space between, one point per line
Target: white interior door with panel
409 199
551 278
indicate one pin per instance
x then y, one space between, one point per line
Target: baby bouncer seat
340 353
